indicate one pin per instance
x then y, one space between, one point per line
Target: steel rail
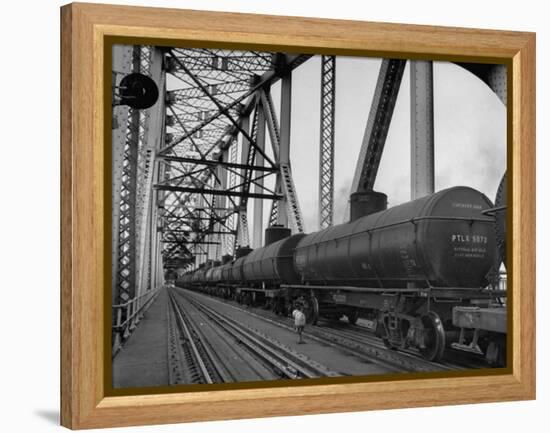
178 371
277 354
408 356
473 362
187 333
376 352
257 350
220 371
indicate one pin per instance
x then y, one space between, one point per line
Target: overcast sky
470 133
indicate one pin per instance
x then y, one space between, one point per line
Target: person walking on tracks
299 322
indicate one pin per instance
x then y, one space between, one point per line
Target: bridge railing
126 316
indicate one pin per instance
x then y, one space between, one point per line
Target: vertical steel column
202 257
126 261
153 138
422 129
232 182
242 238
257 229
122 63
155 271
498 81
221 203
326 148
210 198
284 147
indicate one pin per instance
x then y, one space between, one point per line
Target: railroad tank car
184 279
404 269
483 329
439 240
216 274
198 275
272 264
208 275
236 272
226 271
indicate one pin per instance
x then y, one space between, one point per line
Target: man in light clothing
299 322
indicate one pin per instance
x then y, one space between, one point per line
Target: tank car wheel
388 344
279 307
434 338
352 317
312 310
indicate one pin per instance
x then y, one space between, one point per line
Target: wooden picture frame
84 260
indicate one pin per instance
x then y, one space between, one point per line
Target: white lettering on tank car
466 205
470 252
475 238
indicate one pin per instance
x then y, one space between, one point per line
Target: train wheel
312 310
352 317
434 337
279 306
389 344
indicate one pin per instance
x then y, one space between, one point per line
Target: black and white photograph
285 216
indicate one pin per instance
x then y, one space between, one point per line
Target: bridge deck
143 360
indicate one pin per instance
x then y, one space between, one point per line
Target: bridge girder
216 115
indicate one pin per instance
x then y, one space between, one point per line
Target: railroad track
460 360
365 346
406 357
189 361
222 355
197 361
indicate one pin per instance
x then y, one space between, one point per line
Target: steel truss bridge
185 169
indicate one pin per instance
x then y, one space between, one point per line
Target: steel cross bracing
212 112
326 150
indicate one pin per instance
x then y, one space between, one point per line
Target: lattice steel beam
216 192
282 208
123 64
217 163
289 191
326 149
268 78
125 282
378 123
231 184
223 110
258 224
152 126
224 60
219 91
247 158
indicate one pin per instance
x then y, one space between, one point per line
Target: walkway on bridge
143 360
